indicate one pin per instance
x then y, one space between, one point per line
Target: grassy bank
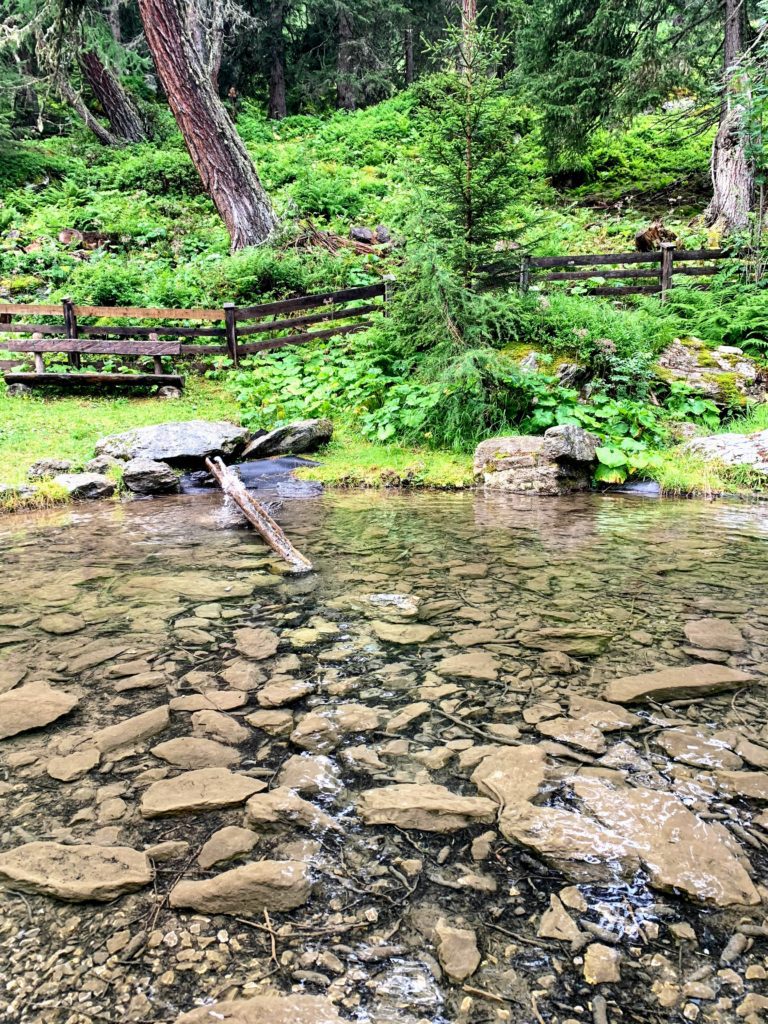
68 428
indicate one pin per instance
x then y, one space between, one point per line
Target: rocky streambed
497 760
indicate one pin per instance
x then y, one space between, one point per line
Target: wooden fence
226 331
659 267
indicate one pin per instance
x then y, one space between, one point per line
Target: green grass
68 428
351 461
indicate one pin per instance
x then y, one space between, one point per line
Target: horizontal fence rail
670 261
272 325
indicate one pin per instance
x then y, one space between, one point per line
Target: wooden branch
257 516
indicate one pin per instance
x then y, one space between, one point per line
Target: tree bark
75 100
217 151
278 108
410 57
345 88
123 117
204 20
733 184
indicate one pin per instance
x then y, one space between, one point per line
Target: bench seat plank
73 379
104 348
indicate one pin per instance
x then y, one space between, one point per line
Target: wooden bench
38 346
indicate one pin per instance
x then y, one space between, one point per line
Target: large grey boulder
557 463
732 449
81 486
570 442
183 443
291 439
144 476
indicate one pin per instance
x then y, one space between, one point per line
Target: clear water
137 573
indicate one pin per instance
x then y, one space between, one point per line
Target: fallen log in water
257 516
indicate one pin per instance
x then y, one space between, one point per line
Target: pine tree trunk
278 108
217 151
346 63
733 183
75 100
124 119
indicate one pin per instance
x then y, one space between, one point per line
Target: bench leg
39 362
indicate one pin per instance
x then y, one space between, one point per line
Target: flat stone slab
183 442
475 665
429 808
271 1009
32 706
75 873
256 643
193 752
226 844
404 632
674 683
575 732
697 750
132 730
73 766
715 634
203 790
273 885
681 852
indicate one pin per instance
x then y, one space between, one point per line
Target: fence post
389 287
231 328
70 322
525 274
665 274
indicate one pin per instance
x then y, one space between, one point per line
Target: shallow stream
553 893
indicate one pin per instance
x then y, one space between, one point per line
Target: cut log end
270 531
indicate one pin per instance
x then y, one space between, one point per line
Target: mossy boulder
724 374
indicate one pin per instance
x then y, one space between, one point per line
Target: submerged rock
715 634
191 752
180 443
673 683
273 885
693 748
404 633
206 789
681 852
428 807
457 950
291 439
132 730
265 1009
322 730
226 844
256 643
283 806
32 706
75 873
